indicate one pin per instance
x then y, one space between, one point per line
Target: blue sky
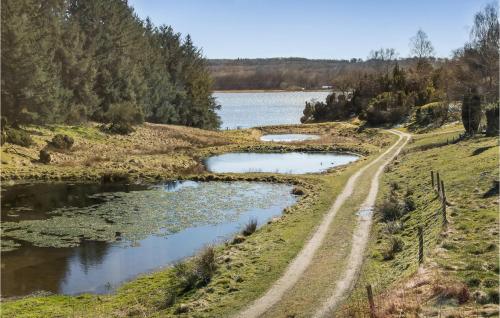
313 28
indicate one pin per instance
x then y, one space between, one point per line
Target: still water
74 238
245 110
289 162
288 137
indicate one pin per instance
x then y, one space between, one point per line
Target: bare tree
388 54
383 59
420 46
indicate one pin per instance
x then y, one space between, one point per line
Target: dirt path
360 237
303 259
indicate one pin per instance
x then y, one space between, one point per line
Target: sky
317 29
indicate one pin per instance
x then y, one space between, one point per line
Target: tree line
69 61
289 73
423 90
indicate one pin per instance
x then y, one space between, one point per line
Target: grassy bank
244 270
459 276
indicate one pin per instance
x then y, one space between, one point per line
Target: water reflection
289 162
99 267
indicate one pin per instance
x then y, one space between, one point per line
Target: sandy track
299 264
360 237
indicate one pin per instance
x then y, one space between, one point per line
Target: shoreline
271 90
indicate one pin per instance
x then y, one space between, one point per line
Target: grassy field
460 273
243 270
159 151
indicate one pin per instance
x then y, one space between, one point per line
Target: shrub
250 227
186 275
238 239
473 282
19 137
471 113
394 186
492 114
205 265
433 113
118 128
121 117
394 246
409 204
489 282
44 156
390 209
493 296
125 112
61 142
452 290
393 227
298 191
387 108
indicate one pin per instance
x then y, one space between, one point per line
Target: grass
160 151
241 272
467 248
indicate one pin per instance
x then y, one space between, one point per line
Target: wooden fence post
443 194
370 300
438 182
432 178
443 209
420 245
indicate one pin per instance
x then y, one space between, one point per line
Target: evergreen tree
70 60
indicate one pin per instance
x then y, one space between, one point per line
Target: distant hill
287 73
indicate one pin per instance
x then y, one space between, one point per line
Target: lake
74 238
252 109
288 162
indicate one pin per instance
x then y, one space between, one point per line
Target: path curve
300 263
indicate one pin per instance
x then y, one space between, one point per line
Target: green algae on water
132 216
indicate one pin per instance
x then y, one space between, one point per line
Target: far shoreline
270 90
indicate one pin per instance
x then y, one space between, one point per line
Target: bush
205 265
393 227
19 137
452 290
196 273
395 245
44 156
473 282
250 227
121 117
493 296
298 191
471 113
186 276
409 204
118 128
492 114
390 209
387 108
61 142
433 113
124 113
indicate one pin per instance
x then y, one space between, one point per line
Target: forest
291 73
423 92
70 61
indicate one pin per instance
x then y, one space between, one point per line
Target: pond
75 238
288 137
289 162
251 109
